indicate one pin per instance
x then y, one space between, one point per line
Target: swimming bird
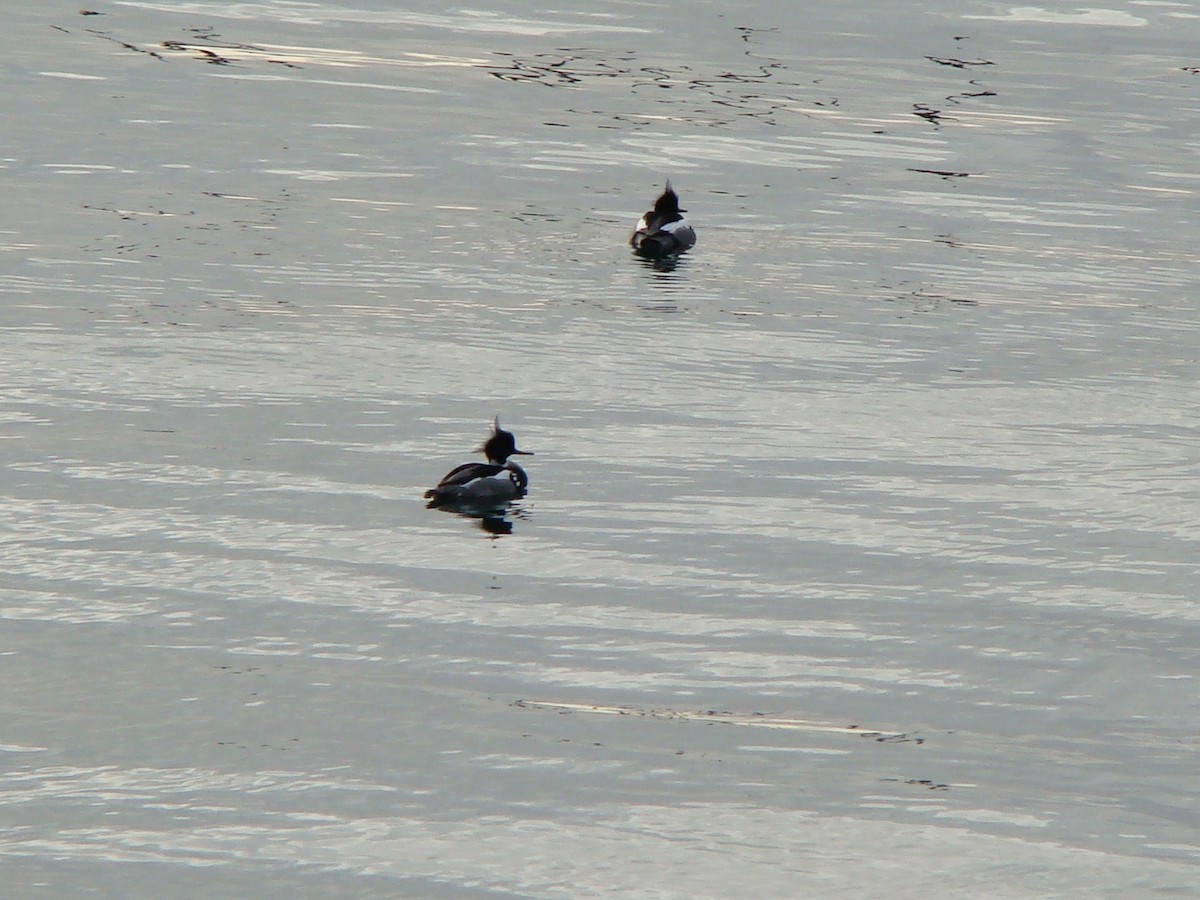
480 487
663 231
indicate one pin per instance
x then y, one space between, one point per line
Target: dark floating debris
935 116
128 46
206 46
893 738
943 173
959 63
923 782
203 53
923 299
928 113
718 717
713 99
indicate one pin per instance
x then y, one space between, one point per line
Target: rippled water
861 546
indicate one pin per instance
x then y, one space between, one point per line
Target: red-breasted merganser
663 231
484 486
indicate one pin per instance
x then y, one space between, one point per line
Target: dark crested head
501 445
668 203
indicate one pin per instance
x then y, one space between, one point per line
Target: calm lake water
862 547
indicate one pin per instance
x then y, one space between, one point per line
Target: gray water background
877 516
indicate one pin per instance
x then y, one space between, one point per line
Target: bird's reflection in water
664 266
495 521
496 524
666 282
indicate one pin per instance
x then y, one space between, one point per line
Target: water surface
860 550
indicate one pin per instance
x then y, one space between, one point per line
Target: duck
484 486
663 231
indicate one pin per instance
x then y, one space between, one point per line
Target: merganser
484 486
663 231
